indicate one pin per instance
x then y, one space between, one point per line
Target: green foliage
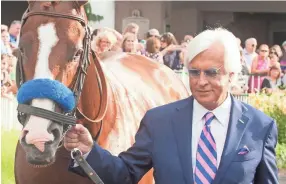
280 117
281 155
90 15
274 105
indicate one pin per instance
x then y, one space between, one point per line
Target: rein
68 119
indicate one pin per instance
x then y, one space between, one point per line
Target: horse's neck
93 100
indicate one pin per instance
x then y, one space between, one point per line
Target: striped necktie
206 158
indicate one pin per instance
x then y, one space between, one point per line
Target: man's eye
211 72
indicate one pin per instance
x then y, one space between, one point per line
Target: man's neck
249 52
214 105
12 35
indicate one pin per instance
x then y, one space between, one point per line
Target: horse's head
53 43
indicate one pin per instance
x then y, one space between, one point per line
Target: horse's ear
82 2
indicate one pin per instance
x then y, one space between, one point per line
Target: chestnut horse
51 48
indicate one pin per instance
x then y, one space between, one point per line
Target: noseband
68 119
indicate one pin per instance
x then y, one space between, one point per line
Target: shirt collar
219 112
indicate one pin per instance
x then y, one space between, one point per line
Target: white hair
104 34
207 38
250 40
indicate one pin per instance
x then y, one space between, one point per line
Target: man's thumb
80 128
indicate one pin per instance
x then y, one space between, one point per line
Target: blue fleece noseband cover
47 88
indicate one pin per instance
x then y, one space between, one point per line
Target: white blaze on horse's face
37 127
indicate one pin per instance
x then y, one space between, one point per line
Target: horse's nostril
24 133
49 142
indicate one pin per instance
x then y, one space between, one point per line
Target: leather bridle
68 119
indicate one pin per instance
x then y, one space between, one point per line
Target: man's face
251 46
15 29
209 88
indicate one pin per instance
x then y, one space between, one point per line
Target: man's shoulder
258 117
167 110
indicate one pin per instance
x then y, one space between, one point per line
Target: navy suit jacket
163 142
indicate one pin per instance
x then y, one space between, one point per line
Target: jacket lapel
237 124
182 127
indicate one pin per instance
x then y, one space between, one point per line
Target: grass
8 145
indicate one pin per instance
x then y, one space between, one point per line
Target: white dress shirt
218 127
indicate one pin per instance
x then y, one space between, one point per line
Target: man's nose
202 80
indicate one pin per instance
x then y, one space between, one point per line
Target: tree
90 15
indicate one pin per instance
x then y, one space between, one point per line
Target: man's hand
78 137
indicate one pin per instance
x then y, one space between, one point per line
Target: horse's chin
41 163
38 158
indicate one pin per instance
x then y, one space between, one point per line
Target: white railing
242 97
9 119
255 86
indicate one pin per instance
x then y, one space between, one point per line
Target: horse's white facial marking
36 126
48 38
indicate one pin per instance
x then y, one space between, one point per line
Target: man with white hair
249 51
208 138
14 32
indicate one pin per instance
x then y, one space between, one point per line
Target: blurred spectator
153 46
103 42
134 29
259 68
5 43
12 61
4 70
14 32
4 28
131 28
129 43
188 38
241 85
6 82
249 51
153 33
277 49
244 68
283 58
274 58
273 81
119 38
171 51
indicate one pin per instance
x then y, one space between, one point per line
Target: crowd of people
9 42
263 67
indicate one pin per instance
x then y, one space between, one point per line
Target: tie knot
209 116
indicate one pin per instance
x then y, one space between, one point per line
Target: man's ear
231 77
